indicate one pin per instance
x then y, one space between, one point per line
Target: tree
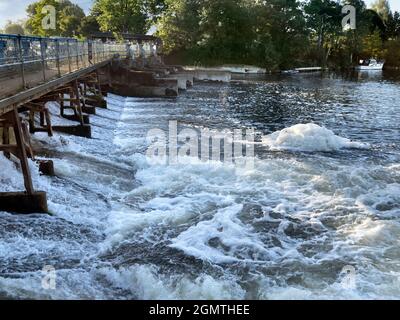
373 46
122 16
226 31
286 27
324 19
90 25
392 45
271 33
154 9
393 26
382 7
178 27
392 53
209 31
69 17
275 33
14 28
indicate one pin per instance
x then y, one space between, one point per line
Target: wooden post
19 138
78 101
82 95
61 100
48 122
27 141
6 133
32 120
6 136
45 121
41 115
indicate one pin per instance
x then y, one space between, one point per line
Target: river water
316 216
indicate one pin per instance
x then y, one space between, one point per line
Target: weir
76 75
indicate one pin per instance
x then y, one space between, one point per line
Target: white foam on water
134 282
268 216
309 137
76 284
146 282
9 176
235 234
214 193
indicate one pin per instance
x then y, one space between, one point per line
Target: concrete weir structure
129 82
31 76
210 74
185 79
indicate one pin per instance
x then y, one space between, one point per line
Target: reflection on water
326 197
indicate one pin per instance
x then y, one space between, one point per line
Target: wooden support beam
11 148
19 137
78 101
19 202
61 102
27 140
6 138
45 120
48 122
6 133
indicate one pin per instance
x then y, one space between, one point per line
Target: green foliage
68 18
373 46
179 25
89 25
285 31
392 52
276 34
324 20
121 16
14 28
393 26
224 31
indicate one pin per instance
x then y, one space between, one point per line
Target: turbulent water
322 198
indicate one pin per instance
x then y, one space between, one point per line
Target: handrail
8 103
27 61
34 60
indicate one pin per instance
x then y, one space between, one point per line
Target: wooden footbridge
34 71
76 75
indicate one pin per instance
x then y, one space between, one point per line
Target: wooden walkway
24 96
71 92
35 71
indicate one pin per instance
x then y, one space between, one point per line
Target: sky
15 9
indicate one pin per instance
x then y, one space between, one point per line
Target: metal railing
27 61
142 49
